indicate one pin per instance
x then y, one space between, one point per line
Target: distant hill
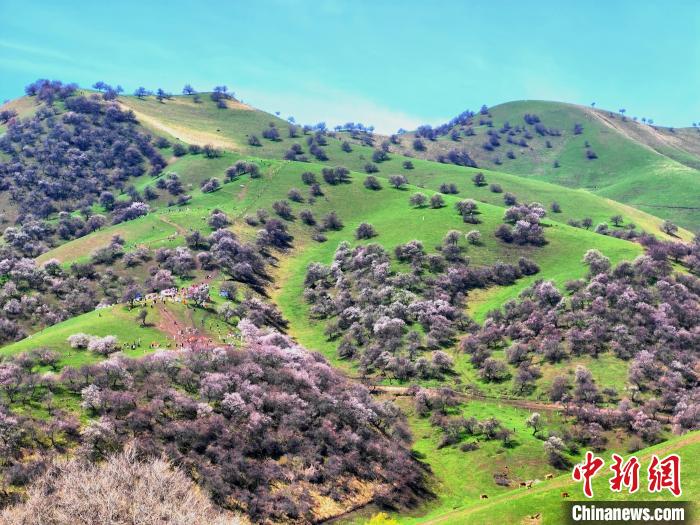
202 122
653 168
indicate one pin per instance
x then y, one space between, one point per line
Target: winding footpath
526 404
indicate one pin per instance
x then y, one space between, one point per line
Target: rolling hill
637 163
234 126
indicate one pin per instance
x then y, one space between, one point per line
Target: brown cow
564 494
549 476
523 484
484 496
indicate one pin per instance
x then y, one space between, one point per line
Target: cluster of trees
459 123
523 225
260 428
220 95
62 161
100 345
49 91
620 229
318 152
108 92
468 209
34 236
639 311
295 152
687 254
241 262
32 296
122 490
459 157
440 403
6 115
515 136
380 315
334 176
241 167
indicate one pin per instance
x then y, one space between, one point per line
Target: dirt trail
527 404
180 229
182 333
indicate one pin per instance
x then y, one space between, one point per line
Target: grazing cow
529 484
523 484
484 496
549 476
564 494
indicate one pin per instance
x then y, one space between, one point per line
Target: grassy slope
231 128
525 460
152 230
575 203
116 320
204 123
391 221
638 171
24 106
655 170
546 498
237 124
388 210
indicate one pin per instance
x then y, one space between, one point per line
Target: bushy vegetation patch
396 322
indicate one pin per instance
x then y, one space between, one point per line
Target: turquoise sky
391 64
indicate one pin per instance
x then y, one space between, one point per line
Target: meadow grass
395 220
545 499
463 476
626 171
459 478
116 320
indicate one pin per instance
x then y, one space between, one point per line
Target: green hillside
641 176
202 123
637 165
389 211
116 320
652 168
545 499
